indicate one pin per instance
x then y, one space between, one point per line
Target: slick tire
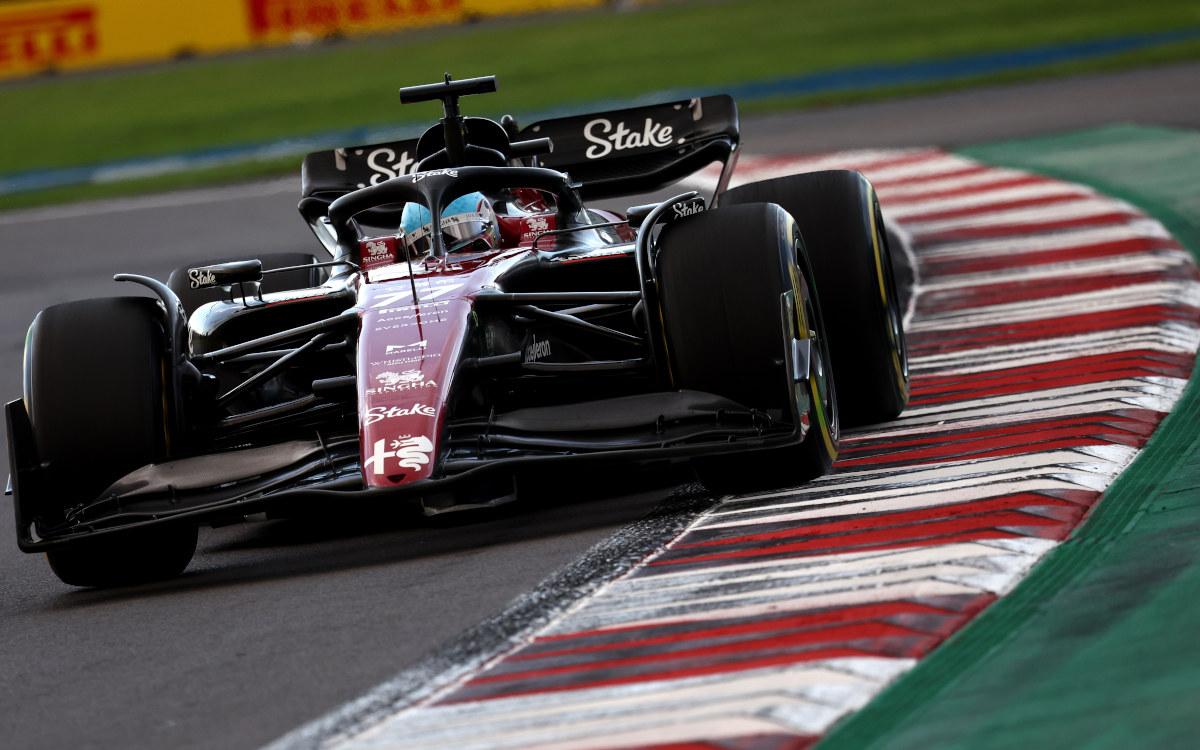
282 282
95 395
838 215
723 276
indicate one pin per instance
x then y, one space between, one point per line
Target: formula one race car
476 323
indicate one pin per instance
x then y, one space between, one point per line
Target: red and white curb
1052 329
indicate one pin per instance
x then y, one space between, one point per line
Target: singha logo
388 377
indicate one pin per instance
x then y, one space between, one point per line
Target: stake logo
384 162
198 278
620 138
418 176
688 208
380 413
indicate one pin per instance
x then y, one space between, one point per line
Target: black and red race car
438 356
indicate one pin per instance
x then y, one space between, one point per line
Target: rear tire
839 218
95 395
723 274
277 282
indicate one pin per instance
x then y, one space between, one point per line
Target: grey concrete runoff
277 623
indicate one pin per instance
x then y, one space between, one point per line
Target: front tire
96 398
725 276
839 218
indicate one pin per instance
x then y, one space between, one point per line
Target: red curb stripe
1133 421
989 449
932 540
543 648
931 384
1042 384
752 166
879 521
917 533
963 171
1000 205
935 237
834 636
1028 290
923 343
825 616
892 198
954 266
699 671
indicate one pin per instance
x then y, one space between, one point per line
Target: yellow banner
44 35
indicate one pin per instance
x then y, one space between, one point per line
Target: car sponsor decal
536 350
607 137
423 308
419 176
403 452
385 163
380 251
380 413
690 207
415 359
397 348
199 278
393 381
608 252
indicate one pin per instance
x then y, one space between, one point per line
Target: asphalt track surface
278 622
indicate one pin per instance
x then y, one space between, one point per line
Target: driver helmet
468 223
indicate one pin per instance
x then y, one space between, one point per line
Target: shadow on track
324 542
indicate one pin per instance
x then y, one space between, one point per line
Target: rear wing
641 149
622 152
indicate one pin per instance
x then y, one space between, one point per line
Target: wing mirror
225 274
680 209
637 214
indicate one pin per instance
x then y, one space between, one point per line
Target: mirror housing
636 215
225 274
680 209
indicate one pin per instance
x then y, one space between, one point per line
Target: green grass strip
1097 646
543 62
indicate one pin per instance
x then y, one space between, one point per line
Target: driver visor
457 231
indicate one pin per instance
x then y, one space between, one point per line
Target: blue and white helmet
467 222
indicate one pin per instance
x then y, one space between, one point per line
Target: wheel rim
819 373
